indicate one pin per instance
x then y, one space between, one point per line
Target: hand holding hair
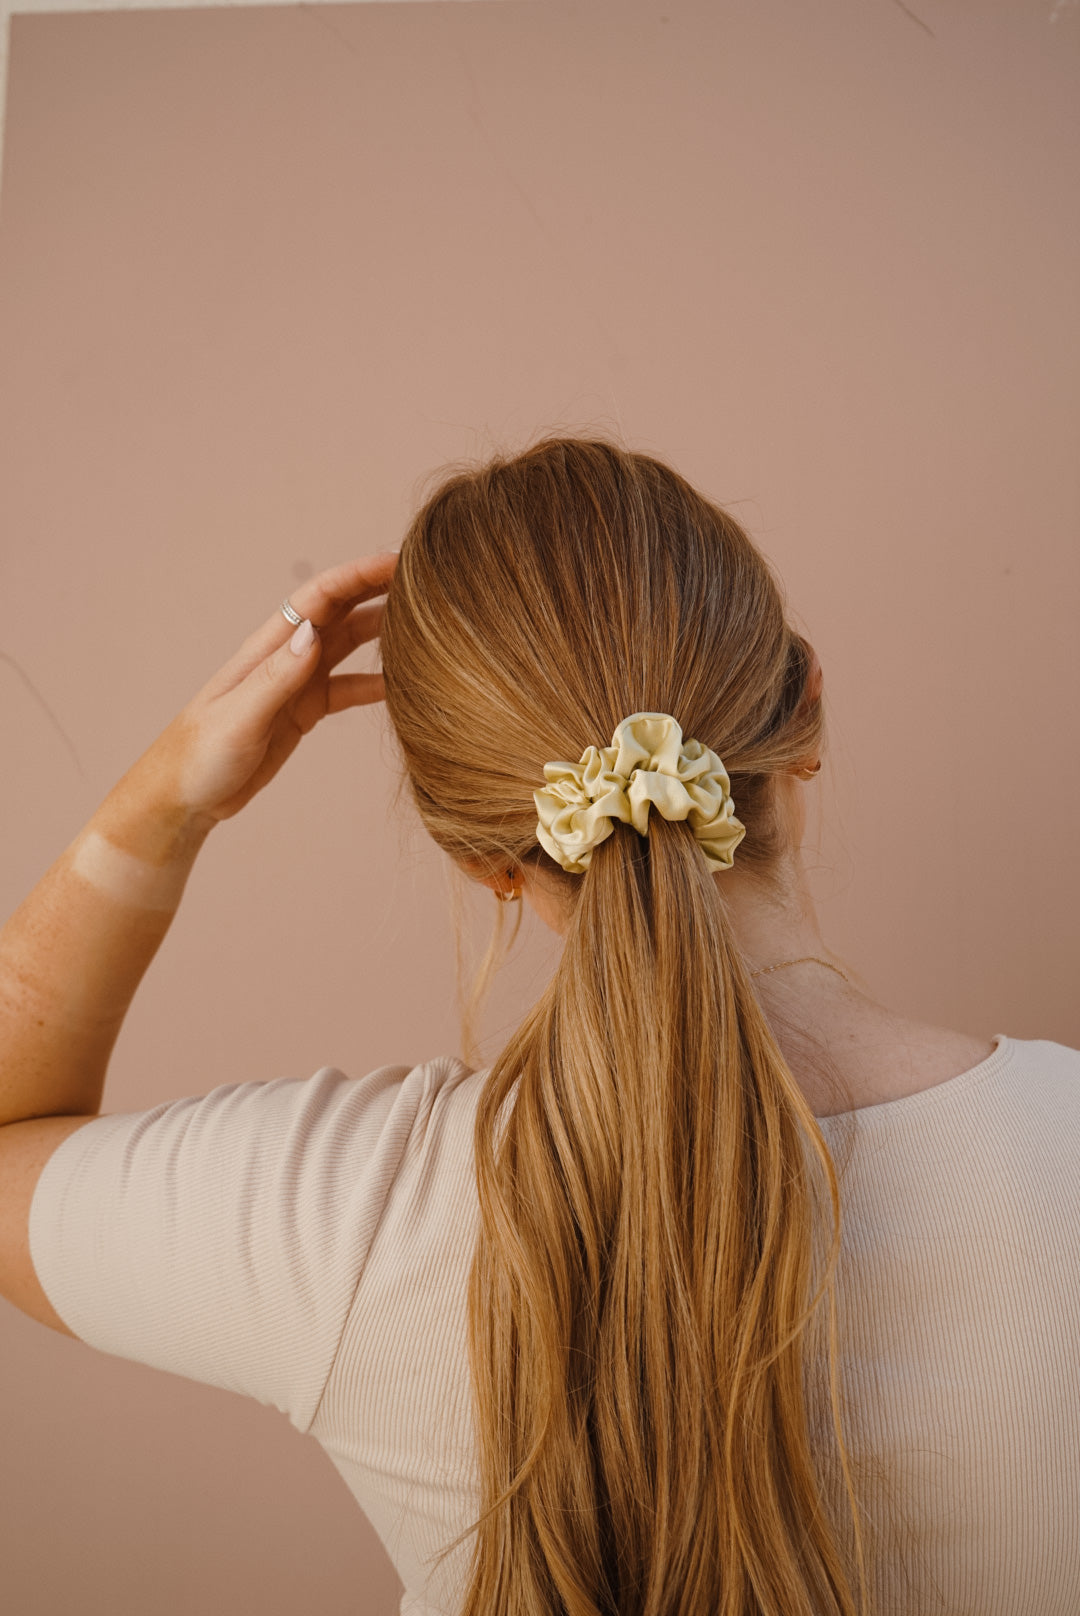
74 952
235 734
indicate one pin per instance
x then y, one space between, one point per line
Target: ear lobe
482 874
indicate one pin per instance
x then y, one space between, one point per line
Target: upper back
959 1314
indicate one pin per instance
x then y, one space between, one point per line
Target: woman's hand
234 736
74 952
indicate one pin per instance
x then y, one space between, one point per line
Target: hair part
652 1326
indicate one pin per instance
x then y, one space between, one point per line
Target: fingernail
302 639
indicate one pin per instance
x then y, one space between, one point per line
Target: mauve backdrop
263 270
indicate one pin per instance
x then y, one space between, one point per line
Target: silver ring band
293 616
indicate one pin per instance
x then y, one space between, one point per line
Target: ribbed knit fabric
307 1243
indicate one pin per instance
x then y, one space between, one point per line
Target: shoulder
295 1133
221 1236
1045 1076
883 1058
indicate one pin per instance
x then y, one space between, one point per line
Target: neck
816 1017
811 1010
771 926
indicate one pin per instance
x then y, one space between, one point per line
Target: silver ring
293 616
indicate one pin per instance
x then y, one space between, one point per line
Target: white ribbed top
307 1243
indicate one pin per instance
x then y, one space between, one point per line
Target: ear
498 882
815 678
814 683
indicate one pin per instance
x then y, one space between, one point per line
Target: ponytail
640 1292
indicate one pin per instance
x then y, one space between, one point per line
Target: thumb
299 648
279 676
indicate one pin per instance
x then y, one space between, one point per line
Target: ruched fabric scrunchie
648 765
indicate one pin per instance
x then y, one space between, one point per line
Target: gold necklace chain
803 959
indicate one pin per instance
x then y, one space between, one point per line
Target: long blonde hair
648 1372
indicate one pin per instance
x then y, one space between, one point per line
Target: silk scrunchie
648 764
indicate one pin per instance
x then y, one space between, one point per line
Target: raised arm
74 952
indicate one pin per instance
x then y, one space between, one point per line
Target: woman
567 1326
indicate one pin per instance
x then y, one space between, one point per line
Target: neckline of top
999 1057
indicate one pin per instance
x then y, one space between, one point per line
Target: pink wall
261 271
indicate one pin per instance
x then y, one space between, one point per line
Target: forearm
74 952
72 955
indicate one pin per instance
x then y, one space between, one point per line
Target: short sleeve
222 1237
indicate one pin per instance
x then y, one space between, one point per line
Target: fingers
275 680
324 600
353 690
360 627
329 594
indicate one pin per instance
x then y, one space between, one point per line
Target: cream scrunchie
648 764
